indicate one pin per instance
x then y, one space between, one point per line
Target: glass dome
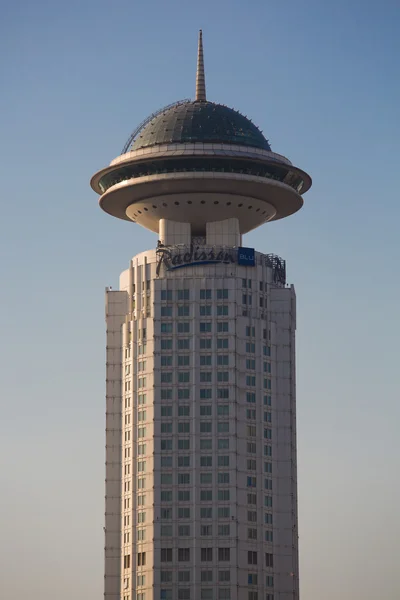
204 122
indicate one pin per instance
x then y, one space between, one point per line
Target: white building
201 477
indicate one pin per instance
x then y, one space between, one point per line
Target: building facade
201 472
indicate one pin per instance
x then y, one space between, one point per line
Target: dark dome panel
203 122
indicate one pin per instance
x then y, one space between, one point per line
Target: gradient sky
321 79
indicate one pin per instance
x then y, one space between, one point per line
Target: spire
200 77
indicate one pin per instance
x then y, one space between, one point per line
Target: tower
201 474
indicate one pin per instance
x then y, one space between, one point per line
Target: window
205 327
223 444
141 399
206 554
251 447
223 427
166 394
269 536
267 401
205 495
205 344
268 417
166 295
183 478
222 310
206 512
183 327
268 434
183 394
223 393
183 461
206 575
166 461
166 555
268 501
205 360
205 393
251 481
205 530
183 344
268 518
223 410
165 594
251 464
251 430
205 294
166 576
183 360
224 593
166 344
222 360
267 367
166 530
250 331
205 376
224 575
141 449
222 343
206 478
205 426
206 594
166 411
269 581
224 530
268 484
166 328
268 467
250 347
183 513
166 311
252 595
141 415
166 427
267 384
251 414
205 310
183 444
269 559
166 444
184 495
252 516
206 461
224 554
127 561
250 363
205 444
166 495
141 535
166 478
224 512
223 478
222 326
223 495
141 432
183 576
205 410
142 382
166 514
141 517
141 559
183 310
223 461
141 500
184 530
183 294
251 498
141 483
222 376
251 557
250 380
184 427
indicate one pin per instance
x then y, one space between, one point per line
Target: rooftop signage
176 258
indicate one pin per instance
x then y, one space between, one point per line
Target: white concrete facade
201 475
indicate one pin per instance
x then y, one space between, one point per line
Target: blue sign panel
246 257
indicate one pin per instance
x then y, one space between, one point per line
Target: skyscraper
201 474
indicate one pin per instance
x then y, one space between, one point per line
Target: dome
199 122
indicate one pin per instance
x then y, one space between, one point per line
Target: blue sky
321 80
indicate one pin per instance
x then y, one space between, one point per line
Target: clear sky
321 79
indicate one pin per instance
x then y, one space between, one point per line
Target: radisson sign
177 258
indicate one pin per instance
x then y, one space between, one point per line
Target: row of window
207 593
206 555
205 310
206 512
204 294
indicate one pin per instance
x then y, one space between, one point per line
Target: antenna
200 76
